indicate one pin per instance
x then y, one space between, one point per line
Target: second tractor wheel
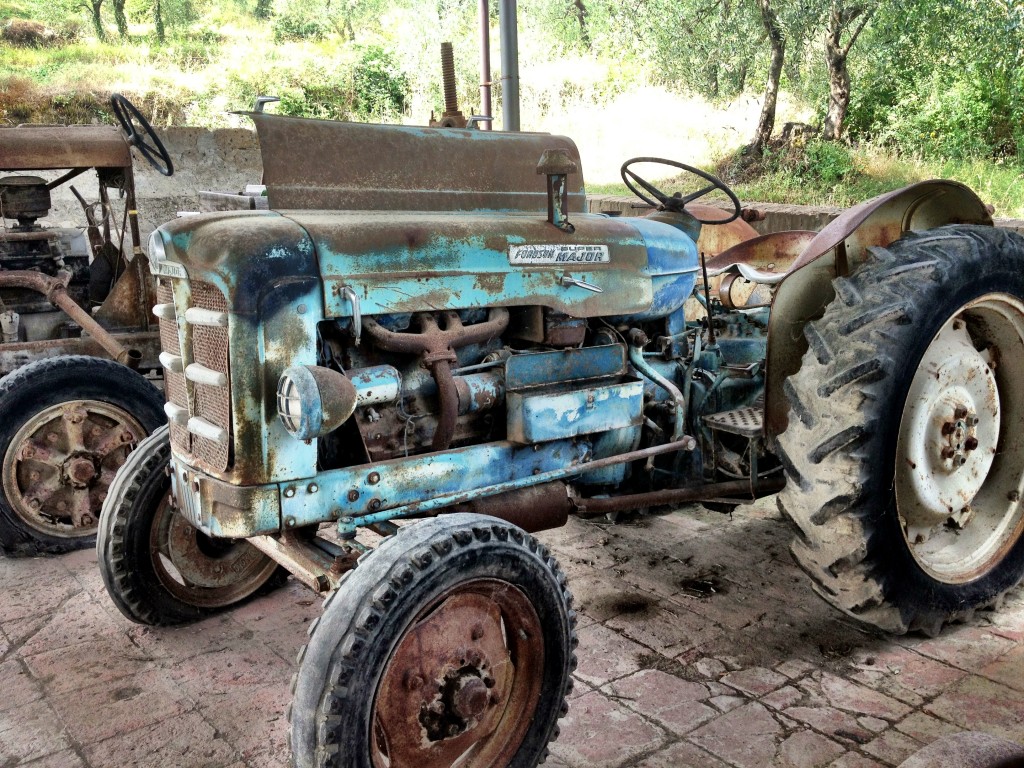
157 568
451 644
904 452
66 425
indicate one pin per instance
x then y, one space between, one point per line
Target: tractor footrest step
747 422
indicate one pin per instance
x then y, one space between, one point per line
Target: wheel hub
949 433
79 471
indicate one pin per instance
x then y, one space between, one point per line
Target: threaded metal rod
451 97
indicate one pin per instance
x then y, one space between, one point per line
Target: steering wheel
153 150
678 201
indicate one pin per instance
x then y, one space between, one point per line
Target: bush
301 21
381 88
25 33
827 161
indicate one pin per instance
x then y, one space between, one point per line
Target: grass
874 172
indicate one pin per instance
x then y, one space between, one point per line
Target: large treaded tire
46 384
846 404
126 555
342 668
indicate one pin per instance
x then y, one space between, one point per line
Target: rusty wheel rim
463 682
59 466
199 570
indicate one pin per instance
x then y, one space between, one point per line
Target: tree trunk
838 97
579 10
262 9
158 21
94 6
120 19
836 55
777 40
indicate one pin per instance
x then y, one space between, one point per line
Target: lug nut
960 412
971 443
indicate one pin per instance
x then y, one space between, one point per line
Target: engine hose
636 357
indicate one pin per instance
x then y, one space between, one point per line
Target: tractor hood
412 262
407 262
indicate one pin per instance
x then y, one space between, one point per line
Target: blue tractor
427 350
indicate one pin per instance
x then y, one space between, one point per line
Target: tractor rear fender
837 251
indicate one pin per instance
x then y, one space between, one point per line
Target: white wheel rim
959 456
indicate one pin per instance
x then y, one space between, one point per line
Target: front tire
66 425
904 453
157 568
451 643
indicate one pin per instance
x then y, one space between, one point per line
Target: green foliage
380 87
302 21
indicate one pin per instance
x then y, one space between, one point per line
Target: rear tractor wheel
450 645
905 448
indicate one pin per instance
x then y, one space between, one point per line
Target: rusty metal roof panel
327 165
37 147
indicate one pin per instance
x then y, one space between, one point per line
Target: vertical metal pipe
509 64
485 63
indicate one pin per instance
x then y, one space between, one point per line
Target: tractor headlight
313 401
157 252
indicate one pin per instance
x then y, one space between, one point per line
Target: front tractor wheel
157 568
450 645
904 451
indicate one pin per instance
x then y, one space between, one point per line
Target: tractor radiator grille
209 348
174 383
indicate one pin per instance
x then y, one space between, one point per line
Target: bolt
87 520
290 522
127 437
34 475
353 495
959 412
1013 496
76 416
34 503
289 492
973 421
374 505
61 506
95 431
217 569
313 488
413 681
474 657
961 460
477 632
28 452
948 453
52 437
374 478
948 428
971 443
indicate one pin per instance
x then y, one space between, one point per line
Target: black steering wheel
146 140
678 201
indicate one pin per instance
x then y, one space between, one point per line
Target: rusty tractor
427 350
76 328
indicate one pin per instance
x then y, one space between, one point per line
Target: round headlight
313 401
157 252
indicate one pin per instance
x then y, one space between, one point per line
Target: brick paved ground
701 645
